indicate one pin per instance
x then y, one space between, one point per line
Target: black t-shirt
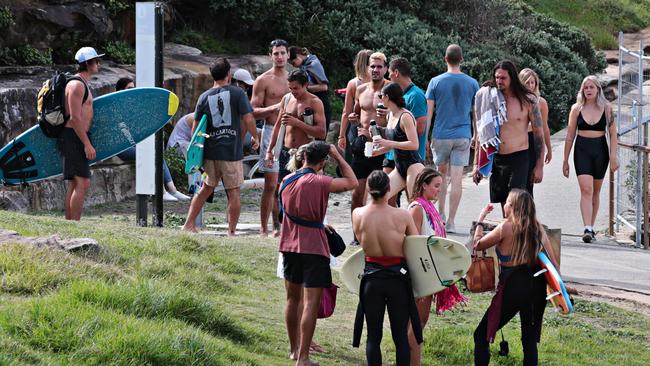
225 106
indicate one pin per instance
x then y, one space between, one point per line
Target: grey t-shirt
224 106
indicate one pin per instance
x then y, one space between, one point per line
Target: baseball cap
243 75
86 53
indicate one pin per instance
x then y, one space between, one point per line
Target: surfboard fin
552 295
540 272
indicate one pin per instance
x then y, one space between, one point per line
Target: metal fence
633 115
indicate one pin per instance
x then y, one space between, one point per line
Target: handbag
480 276
336 243
327 302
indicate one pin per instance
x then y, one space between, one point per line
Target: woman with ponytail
518 241
428 222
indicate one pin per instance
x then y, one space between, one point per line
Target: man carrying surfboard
268 89
74 142
227 108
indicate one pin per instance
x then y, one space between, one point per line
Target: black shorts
508 172
532 161
283 161
73 156
363 166
591 156
311 270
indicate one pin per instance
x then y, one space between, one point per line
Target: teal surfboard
195 148
120 121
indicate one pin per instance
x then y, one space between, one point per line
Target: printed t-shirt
307 199
453 95
224 106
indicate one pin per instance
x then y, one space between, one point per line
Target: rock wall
186 74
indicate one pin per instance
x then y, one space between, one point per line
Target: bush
120 52
6 18
25 56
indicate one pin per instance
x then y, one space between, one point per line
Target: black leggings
525 295
377 294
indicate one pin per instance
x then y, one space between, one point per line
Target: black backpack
51 114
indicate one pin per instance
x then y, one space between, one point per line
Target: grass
601 19
157 296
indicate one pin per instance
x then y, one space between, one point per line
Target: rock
52 241
606 80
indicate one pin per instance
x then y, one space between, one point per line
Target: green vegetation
117 6
25 56
6 18
120 52
204 42
159 296
420 30
601 19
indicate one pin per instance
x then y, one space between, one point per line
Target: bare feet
293 355
264 233
316 348
276 233
191 229
231 233
306 362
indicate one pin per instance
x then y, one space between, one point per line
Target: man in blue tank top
452 96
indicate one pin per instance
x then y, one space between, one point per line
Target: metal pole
158 201
639 156
646 242
618 122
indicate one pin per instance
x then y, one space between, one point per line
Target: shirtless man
74 142
297 133
365 110
268 89
381 229
510 167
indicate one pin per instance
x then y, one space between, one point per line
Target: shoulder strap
75 77
299 174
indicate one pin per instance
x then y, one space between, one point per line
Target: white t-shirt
182 133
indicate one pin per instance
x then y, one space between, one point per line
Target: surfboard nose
172 105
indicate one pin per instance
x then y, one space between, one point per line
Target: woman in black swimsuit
518 241
401 135
591 116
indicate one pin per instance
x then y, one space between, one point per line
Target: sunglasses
279 42
376 66
381 95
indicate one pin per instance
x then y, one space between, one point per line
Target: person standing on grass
268 90
348 130
518 241
592 117
306 255
74 143
451 95
226 107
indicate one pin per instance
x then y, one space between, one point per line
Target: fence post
639 138
618 127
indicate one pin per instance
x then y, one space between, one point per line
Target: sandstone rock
52 241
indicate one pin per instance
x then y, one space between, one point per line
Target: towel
491 113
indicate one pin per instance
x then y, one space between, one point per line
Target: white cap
243 75
86 53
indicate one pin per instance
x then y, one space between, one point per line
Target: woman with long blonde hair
518 241
592 118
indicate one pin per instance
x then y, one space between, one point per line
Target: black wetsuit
403 158
591 155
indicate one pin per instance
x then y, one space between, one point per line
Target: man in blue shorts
452 96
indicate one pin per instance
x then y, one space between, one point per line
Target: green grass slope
160 297
601 19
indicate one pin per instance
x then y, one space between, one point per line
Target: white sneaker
168 197
180 196
450 228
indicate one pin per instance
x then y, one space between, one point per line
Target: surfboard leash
445 283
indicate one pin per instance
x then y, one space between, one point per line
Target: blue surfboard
556 290
120 121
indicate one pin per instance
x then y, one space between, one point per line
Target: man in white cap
74 142
244 80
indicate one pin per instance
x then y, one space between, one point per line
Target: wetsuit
403 158
386 283
591 155
518 292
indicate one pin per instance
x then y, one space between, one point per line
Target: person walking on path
300 57
530 79
401 136
386 283
428 222
518 241
451 95
306 255
227 108
74 143
268 90
505 109
593 118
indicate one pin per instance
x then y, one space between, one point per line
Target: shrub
6 18
25 56
120 52
117 6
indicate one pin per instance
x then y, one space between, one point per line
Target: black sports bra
601 125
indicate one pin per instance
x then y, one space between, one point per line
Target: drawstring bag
480 275
327 302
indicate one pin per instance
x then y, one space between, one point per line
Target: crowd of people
387 124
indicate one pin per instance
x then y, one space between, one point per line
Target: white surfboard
434 263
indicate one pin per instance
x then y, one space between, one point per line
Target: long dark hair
378 184
394 92
424 177
527 231
517 88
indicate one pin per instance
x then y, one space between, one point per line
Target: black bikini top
601 125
